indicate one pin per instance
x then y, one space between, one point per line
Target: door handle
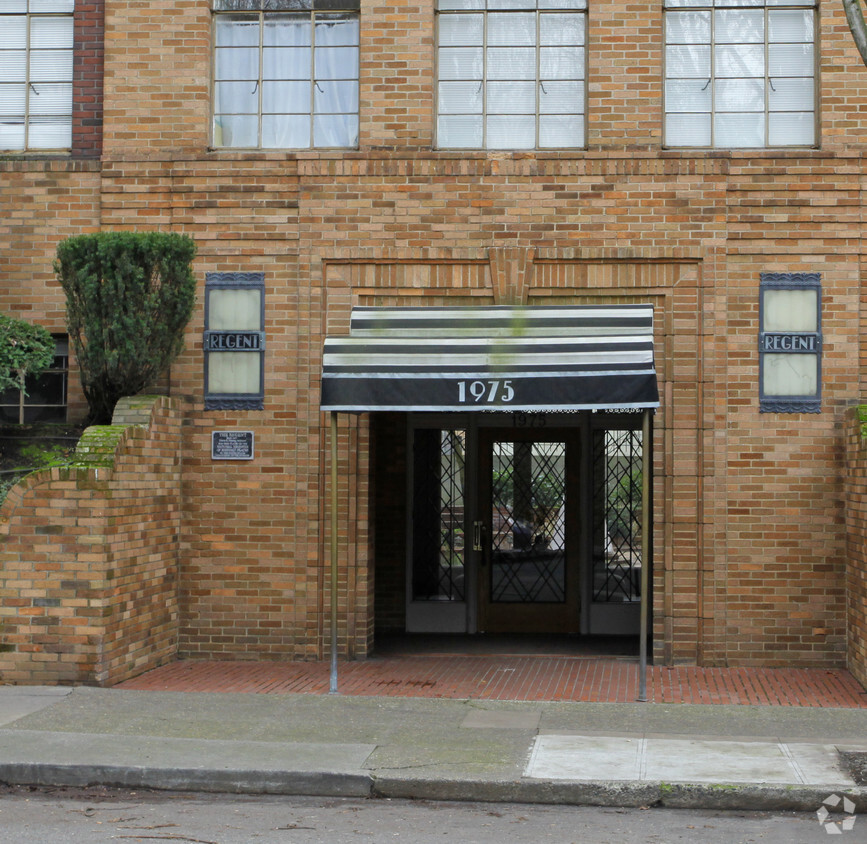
478 534
480 541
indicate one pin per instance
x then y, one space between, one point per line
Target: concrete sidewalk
615 754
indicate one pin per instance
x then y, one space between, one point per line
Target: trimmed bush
129 296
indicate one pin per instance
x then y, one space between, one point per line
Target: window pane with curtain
286 79
36 74
740 73
511 74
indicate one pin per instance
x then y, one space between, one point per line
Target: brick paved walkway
494 677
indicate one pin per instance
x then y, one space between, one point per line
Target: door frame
464 616
439 616
562 616
606 617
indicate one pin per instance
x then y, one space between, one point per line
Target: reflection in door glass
617 516
527 553
438 518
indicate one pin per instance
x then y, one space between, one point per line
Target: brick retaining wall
856 541
89 555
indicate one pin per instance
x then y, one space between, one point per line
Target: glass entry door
526 532
534 530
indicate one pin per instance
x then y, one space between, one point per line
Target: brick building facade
612 203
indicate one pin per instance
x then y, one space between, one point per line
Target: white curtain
732 89
510 80
236 81
335 96
36 78
303 79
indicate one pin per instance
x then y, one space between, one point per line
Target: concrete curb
758 797
302 783
519 791
741 797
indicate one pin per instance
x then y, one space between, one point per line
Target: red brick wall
41 203
856 541
749 529
397 53
89 556
87 70
157 65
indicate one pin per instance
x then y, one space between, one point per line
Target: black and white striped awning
497 358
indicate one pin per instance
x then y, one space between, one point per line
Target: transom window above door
740 73
511 74
285 79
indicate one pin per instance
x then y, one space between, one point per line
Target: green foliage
548 492
624 504
38 456
25 349
129 296
27 448
5 485
545 495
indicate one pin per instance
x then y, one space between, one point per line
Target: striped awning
498 358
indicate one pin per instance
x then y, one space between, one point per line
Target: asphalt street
95 816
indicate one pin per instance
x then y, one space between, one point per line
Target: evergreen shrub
129 296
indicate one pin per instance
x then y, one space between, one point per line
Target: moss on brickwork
135 410
34 447
98 446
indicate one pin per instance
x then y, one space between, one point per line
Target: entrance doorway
527 534
525 524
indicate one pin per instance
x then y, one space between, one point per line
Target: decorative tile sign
790 343
234 341
231 445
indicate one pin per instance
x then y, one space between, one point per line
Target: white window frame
315 137
36 75
717 77
486 115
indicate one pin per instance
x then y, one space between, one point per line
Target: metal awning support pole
333 687
645 555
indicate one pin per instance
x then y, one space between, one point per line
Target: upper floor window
36 74
511 74
285 79
740 73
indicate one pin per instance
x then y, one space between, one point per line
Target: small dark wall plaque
231 445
